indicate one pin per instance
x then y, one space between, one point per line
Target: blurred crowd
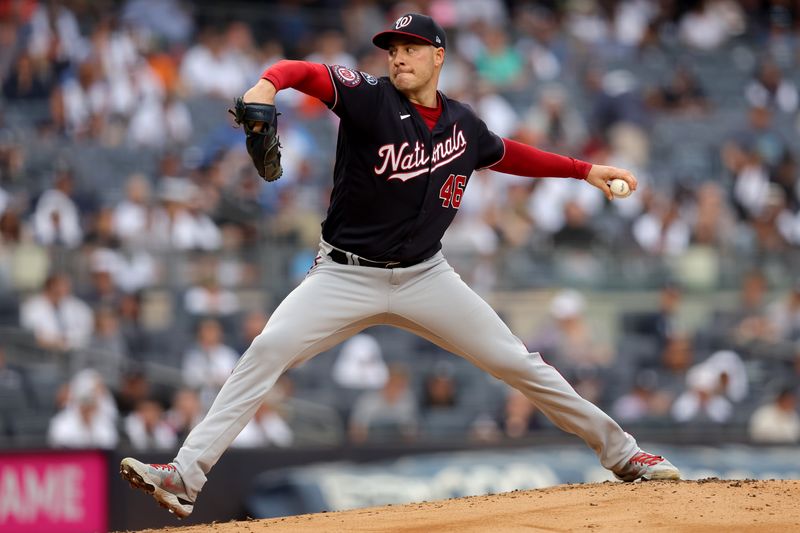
139 247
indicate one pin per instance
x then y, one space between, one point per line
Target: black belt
340 257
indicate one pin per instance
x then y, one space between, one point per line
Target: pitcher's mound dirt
692 506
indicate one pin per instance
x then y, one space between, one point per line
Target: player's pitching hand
600 175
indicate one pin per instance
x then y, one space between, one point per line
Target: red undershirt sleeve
312 79
523 160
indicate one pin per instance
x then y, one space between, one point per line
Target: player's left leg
443 309
332 303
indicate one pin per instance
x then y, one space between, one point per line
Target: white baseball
620 188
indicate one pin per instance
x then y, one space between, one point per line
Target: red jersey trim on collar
430 114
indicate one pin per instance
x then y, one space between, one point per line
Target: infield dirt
686 506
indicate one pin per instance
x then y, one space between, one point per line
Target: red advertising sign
46 492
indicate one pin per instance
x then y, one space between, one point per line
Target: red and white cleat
162 481
645 465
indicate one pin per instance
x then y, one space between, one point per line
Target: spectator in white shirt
81 103
546 202
54 31
662 230
89 418
777 421
208 298
209 69
209 362
56 219
131 214
267 428
58 320
146 428
500 114
360 364
713 387
240 47
710 23
769 88
160 121
179 224
129 270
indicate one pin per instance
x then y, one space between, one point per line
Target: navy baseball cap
412 25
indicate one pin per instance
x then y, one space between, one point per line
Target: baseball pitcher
404 156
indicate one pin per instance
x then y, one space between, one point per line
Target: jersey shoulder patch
346 76
369 78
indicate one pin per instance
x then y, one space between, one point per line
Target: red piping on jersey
523 160
333 85
493 164
313 79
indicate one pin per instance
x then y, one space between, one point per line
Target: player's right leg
332 303
443 309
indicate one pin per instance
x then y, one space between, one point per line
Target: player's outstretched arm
313 79
523 160
256 112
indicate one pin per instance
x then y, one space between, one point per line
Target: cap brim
382 39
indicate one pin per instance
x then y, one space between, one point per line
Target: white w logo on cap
402 22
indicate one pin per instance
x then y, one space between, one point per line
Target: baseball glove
263 143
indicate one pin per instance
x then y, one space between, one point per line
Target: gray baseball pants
429 299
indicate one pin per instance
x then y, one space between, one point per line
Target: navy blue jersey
397 185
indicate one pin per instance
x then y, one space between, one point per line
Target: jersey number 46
452 190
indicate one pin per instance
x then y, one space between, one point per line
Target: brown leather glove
260 123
